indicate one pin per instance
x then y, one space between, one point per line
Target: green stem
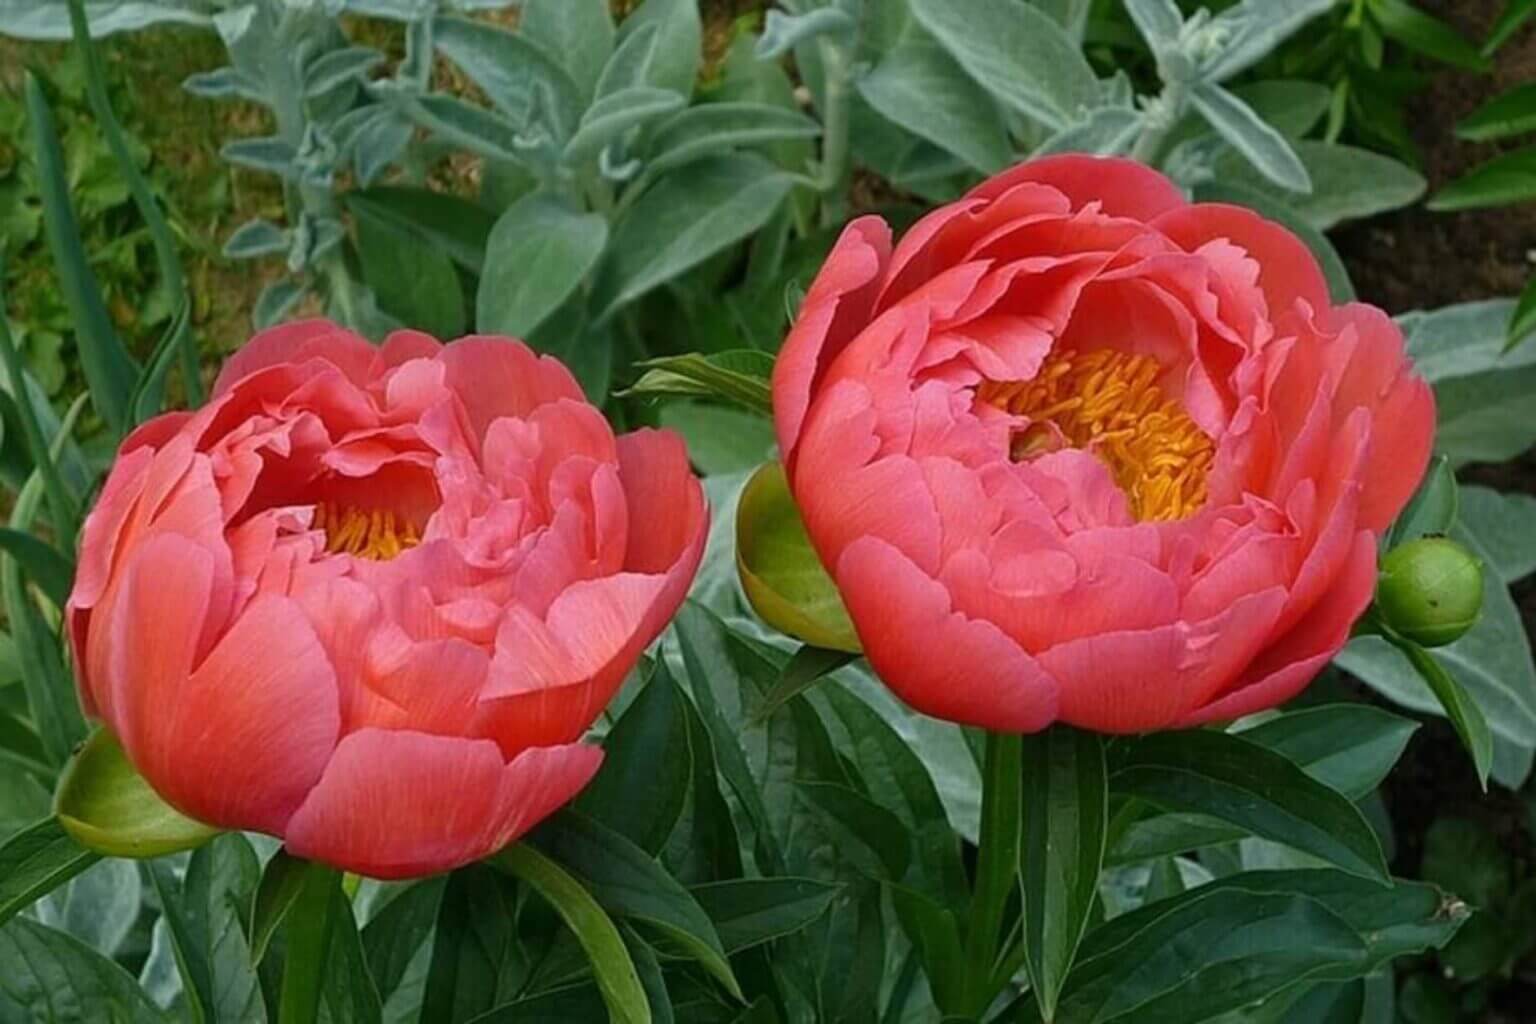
309 939
997 864
835 119
1162 116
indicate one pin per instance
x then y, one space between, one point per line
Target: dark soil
1416 259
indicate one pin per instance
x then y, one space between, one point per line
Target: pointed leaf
1066 811
36 861
576 33
617 978
1244 784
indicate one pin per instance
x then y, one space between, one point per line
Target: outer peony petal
239 740
665 501
403 804
936 659
1287 269
297 342
1293 659
1124 188
836 308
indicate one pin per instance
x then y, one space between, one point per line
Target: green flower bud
1430 590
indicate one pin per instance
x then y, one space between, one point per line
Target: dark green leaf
1459 706
1201 954
1347 747
868 835
414 283
630 884
807 666
281 883
395 935
109 369
1066 810
1506 179
750 911
538 254
1244 784
1433 507
54 977
49 569
1516 14
641 788
473 940
204 915
1522 324
1423 33
36 861
617 978
739 375
897 778
456 226
1509 113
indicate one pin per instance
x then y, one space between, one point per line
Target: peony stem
997 863
309 940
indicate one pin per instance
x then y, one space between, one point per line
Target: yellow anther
378 534
1108 402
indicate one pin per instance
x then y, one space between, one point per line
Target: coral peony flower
368 599
1078 450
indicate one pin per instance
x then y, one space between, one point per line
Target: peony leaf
1246 785
617 978
642 787
108 807
748 912
780 571
36 861
1061 852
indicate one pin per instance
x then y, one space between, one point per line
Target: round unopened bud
1430 590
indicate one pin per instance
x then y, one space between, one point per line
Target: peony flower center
376 533
1108 402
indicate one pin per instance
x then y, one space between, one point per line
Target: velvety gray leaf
1017 53
1257 140
537 255
578 34
920 87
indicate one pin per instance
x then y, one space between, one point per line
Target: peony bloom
1078 450
368 599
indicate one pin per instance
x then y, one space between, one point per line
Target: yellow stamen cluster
378 533
1108 402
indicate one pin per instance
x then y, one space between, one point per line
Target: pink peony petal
405 804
